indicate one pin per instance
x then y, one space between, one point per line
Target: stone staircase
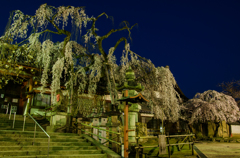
6 124
14 143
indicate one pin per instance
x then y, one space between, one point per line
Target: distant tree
233 89
211 106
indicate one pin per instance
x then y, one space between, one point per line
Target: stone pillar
103 133
95 131
112 125
86 128
132 119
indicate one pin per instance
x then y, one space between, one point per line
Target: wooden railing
162 144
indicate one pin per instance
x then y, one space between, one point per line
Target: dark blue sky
199 40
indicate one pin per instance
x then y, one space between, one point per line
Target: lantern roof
134 99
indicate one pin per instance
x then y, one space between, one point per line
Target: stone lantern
131 96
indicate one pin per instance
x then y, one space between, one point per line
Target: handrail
10 112
101 129
7 109
42 130
180 135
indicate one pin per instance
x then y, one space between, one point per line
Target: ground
219 150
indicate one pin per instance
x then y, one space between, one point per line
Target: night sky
199 40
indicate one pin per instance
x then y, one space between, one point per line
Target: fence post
178 147
137 151
192 146
189 140
169 152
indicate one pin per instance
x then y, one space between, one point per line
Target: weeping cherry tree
74 64
211 106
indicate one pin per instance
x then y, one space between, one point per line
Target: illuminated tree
76 64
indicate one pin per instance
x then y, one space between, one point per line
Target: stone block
104 121
226 140
95 122
211 129
52 128
218 139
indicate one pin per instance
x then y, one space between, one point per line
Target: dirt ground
219 150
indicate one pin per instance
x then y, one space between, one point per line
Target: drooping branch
47 30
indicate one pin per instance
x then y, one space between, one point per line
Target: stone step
44 152
17 123
20 118
8 143
37 133
38 136
11 120
17 119
6 148
65 156
20 128
3 115
13 139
